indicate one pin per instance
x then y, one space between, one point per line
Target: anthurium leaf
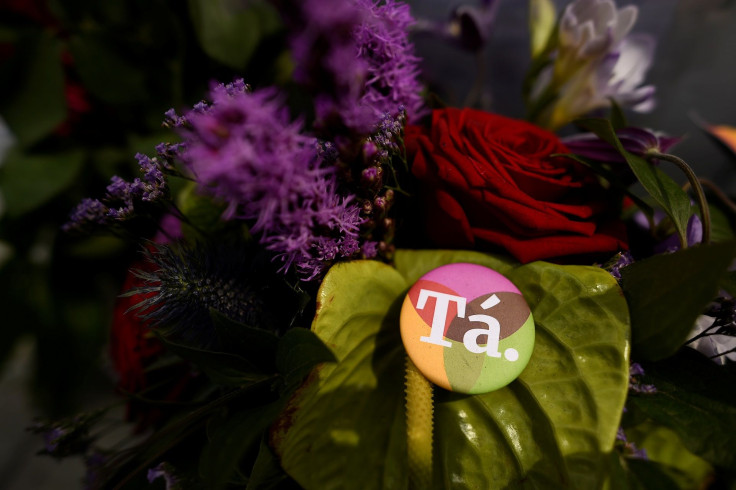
229 31
667 292
551 428
695 398
665 191
29 181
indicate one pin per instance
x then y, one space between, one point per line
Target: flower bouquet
281 221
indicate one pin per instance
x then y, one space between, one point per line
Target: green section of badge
474 374
498 372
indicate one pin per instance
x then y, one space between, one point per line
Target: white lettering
442 301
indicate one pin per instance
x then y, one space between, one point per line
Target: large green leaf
29 181
551 428
665 191
105 73
695 398
230 31
665 447
666 293
39 105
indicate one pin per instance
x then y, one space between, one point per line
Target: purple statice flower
621 260
638 141
166 471
246 151
629 448
635 370
121 196
88 212
468 26
357 58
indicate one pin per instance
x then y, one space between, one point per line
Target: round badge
467 328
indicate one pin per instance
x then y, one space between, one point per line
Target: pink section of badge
471 280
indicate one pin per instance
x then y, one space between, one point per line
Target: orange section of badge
428 358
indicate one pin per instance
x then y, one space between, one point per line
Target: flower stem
697 188
419 427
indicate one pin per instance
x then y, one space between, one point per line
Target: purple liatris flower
245 150
355 56
638 141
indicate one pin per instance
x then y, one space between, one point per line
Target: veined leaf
695 398
550 428
666 293
665 191
30 181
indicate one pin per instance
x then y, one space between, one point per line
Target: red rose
132 345
489 181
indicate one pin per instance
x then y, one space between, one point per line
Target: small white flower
596 60
590 28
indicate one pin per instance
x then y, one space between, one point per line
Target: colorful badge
467 328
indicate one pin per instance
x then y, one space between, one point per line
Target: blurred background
83 88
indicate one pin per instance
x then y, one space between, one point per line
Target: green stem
697 188
419 427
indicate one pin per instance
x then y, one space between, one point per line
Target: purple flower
245 150
638 141
121 196
89 211
635 370
357 58
629 448
165 471
621 260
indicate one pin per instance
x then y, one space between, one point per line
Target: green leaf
40 105
550 428
232 439
665 191
230 32
720 225
665 447
617 117
30 181
256 345
223 368
694 398
667 292
267 473
299 350
105 73
542 21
